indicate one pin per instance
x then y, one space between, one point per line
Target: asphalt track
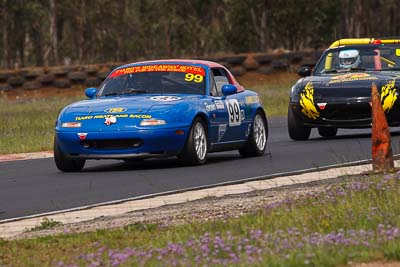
30 187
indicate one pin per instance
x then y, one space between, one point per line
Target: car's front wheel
327 131
196 148
297 129
257 141
63 163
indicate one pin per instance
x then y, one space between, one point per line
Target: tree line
53 32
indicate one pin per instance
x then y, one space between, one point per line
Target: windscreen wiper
111 94
330 71
127 91
358 69
134 91
390 69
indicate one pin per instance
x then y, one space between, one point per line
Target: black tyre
297 129
196 148
257 141
327 131
64 164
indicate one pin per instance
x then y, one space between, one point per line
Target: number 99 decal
190 77
233 112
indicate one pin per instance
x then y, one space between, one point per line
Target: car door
230 110
237 126
217 112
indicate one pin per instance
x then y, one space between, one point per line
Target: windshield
155 79
359 58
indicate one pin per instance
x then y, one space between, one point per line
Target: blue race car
164 108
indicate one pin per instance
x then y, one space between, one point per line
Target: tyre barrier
234 60
90 70
102 75
60 72
16 81
31 75
62 83
32 85
93 82
46 79
77 77
94 75
234 64
4 76
5 87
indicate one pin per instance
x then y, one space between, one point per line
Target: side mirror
90 92
304 71
228 89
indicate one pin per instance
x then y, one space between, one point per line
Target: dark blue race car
184 108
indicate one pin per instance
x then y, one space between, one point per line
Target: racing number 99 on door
234 112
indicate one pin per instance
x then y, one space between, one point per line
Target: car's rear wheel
63 163
196 148
257 140
327 131
297 129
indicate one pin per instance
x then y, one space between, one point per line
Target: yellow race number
190 77
398 52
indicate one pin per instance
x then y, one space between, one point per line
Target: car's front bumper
344 115
123 144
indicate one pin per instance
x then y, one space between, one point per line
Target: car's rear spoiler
361 41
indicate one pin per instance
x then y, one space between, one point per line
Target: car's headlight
152 122
71 124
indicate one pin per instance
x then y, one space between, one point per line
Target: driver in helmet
349 59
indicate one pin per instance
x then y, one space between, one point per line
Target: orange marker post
382 156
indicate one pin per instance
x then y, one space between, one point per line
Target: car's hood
129 110
131 104
349 85
315 93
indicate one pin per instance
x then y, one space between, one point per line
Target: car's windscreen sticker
197 72
352 77
190 77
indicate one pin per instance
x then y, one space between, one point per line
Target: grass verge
28 125
356 221
45 224
273 89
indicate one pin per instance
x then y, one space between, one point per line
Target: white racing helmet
349 58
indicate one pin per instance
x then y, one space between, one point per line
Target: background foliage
52 32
